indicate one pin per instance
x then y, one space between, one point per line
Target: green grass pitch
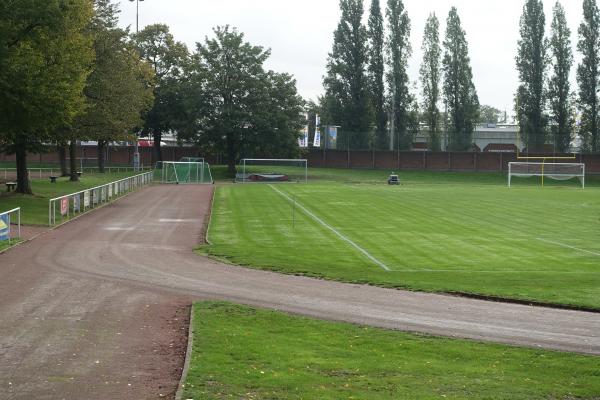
246 353
438 232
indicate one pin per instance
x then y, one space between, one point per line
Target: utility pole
136 151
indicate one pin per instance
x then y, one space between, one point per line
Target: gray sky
300 34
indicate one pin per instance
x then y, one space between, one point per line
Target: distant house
489 137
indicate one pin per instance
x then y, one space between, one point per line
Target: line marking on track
569 247
332 229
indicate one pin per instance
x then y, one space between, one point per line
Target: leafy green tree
376 74
45 56
168 59
531 61
460 96
346 83
119 89
588 76
559 87
399 51
430 73
238 108
489 114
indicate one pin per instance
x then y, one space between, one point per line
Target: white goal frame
542 169
199 172
267 160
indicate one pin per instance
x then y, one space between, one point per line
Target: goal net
253 170
554 171
180 172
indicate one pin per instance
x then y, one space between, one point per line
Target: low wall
430 161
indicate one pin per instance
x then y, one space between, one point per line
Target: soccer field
437 232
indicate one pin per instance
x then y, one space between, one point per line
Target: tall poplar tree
559 88
399 51
460 96
588 76
346 88
376 74
531 64
430 74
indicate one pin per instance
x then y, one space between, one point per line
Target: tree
346 83
376 74
168 59
399 51
44 62
430 74
119 89
588 75
239 108
559 88
531 64
460 96
489 114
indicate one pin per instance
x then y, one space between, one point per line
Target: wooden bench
53 179
10 186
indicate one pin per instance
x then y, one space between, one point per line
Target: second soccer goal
554 171
255 170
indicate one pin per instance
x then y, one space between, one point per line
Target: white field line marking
568 247
332 229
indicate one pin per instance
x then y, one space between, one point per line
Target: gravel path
97 309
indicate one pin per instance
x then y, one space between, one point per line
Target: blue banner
4 227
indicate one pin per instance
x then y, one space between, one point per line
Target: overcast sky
300 34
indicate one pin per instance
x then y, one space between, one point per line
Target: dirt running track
97 308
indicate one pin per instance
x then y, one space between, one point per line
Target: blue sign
4 227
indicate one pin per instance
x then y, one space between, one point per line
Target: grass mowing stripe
568 247
332 229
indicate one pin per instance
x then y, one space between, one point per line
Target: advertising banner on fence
110 188
95 196
64 206
4 227
317 142
103 194
86 199
77 203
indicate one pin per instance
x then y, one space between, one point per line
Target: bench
10 186
53 179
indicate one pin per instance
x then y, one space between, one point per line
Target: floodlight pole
136 148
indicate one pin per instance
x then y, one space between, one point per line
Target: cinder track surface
97 308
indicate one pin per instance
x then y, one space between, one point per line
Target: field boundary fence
40 173
6 222
78 203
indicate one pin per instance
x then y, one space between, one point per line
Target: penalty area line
568 246
332 229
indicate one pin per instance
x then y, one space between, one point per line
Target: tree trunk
101 155
157 149
73 155
62 155
231 156
23 185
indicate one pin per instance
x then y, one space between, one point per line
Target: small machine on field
393 179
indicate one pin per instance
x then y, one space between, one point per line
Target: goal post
554 171
264 170
179 172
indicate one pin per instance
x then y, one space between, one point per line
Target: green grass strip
246 353
34 209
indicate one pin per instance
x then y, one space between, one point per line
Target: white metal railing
6 218
46 172
85 200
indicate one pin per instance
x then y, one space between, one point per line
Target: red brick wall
416 160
